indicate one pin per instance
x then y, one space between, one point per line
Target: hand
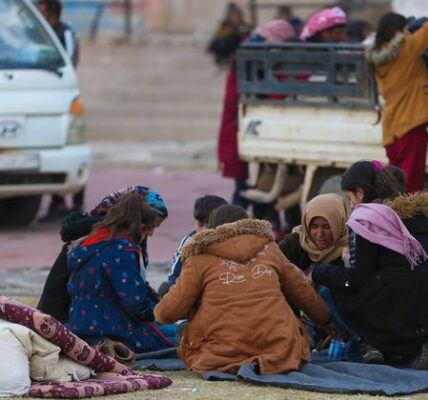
331 328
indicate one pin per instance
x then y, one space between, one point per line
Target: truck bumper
36 172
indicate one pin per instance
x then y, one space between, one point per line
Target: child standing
109 297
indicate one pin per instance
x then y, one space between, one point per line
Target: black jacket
55 299
380 297
290 247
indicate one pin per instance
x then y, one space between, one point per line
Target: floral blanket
102 386
119 378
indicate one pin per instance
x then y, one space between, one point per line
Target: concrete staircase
164 89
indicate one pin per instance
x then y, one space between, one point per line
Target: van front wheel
18 211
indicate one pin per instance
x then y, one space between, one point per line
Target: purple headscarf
381 225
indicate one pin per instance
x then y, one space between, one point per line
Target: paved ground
27 251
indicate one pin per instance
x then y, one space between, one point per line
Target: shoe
123 354
370 355
421 360
106 347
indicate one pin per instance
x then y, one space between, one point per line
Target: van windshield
24 42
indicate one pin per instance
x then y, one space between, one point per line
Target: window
24 42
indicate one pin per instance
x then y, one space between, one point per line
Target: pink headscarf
322 20
276 30
381 225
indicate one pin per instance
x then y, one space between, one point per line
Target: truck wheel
18 211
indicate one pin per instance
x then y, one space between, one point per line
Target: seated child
109 297
201 211
55 300
235 289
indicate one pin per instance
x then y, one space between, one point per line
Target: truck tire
18 211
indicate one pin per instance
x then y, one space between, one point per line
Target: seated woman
322 235
55 299
236 288
382 297
371 181
109 296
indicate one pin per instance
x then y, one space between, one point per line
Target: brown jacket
234 288
403 82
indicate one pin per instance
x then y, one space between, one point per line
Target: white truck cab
43 148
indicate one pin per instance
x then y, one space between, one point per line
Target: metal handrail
336 70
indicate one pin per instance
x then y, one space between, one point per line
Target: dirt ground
189 386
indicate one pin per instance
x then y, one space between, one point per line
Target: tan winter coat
403 82
235 289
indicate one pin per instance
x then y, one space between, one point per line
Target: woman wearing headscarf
322 236
382 296
55 300
327 25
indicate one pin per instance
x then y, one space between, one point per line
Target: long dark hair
128 217
376 181
388 26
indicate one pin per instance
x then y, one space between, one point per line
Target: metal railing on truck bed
306 74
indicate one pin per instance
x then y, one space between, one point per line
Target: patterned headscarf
152 197
322 20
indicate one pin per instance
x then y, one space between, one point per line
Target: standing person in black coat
228 35
51 10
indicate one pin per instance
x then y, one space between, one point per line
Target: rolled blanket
104 385
52 330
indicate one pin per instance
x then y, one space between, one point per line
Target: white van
43 148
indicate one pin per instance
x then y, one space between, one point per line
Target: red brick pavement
37 245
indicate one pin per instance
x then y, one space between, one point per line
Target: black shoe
370 355
421 360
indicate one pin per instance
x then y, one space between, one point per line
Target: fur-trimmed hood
238 241
410 205
380 57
